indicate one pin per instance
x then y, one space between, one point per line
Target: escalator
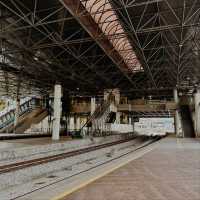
111 118
30 112
186 120
34 117
97 122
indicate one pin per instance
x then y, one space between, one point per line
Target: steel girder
167 34
77 9
45 44
78 55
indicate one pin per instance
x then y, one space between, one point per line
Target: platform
15 144
171 171
166 170
13 136
15 150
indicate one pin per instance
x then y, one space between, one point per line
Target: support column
77 122
129 120
71 123
129 116
197 112
178 130
116 94
57 112
93 105
118 114
78 125
17 110
133 124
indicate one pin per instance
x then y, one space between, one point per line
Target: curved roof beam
97 19
104 15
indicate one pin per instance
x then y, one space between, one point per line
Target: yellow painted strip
90 181
66 193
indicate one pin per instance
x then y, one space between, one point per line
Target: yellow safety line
90 181
64 194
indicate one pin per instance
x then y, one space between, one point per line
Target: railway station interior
100 99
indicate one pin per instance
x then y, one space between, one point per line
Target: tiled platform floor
169 172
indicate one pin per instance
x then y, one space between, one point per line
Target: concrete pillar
176 95
71 123
129 116
197 112
57 112
133 124
105 95
178 129
77 124
116 93
93 105
129 120
17 110
118 114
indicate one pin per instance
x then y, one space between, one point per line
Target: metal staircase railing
8 118
97 123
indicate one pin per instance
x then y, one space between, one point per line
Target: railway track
29 163
144 143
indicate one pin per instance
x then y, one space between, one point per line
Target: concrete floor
18 143
38 141
169 172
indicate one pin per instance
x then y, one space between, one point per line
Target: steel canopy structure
104 15
44 42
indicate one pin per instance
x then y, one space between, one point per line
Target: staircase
34 117
187 123
111 117
99 123
29 113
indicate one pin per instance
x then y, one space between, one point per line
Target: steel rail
153 140
29 163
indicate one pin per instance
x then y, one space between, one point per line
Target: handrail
99 111
11 117
15 108
12 107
